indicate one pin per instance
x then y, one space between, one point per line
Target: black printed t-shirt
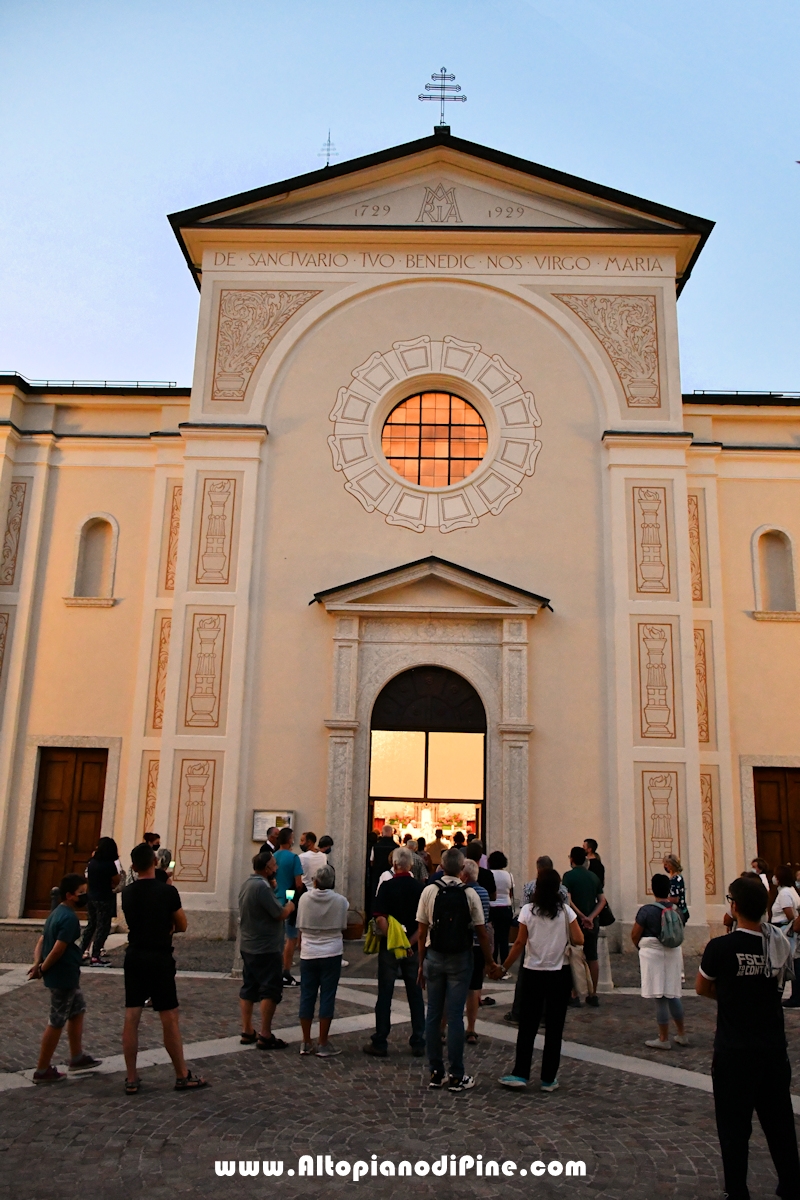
749 1013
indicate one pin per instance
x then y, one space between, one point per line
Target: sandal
270 1043
190 1083
248 1039
132 1086
472 1038
486 1001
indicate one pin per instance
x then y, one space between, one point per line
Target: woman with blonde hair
677 888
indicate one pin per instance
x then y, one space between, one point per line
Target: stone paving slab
209 1009
638 1139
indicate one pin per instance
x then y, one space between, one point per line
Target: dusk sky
113 115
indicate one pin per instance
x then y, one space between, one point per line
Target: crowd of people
442 919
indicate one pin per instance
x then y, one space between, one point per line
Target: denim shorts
65 1003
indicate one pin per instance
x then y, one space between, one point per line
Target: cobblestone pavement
638 1137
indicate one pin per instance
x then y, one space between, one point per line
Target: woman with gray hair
321 918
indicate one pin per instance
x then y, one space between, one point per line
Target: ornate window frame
424 364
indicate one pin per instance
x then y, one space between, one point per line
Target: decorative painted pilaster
654 782
21 462
207 675
343 727
514 738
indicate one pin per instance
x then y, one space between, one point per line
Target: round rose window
434 439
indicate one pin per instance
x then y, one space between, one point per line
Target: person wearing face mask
57 961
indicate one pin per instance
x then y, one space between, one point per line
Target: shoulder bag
581 979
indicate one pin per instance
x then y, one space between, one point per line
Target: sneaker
51 1075
290 981
100 962
682 1039
549 1087
306 1047
437 1080
345 962
486 1001
85 1063
574 1002
513 1081
510 1019
327 1051
460 1085
418 1051
593 1001
657 1044
375 1051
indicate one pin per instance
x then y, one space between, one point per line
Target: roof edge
319 597
701 226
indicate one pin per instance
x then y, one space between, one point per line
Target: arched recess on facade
95 557
600 377
774 579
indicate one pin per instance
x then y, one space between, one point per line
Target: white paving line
618 1062
14 978
215 1047
211 1048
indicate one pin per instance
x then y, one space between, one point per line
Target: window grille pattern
434 439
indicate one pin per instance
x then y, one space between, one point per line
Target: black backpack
451 931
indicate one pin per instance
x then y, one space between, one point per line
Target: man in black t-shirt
593 860
398 897
475 851
153 912
750 1067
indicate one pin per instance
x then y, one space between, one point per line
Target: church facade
433 537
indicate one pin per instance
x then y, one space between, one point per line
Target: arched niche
773 563
95 559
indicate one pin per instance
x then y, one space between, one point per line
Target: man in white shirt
311 859
447 916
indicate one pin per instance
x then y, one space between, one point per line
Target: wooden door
777 791
66 824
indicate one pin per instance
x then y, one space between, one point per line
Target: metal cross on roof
441 90
328 151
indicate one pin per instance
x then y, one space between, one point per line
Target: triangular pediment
440 194
431 586
440 180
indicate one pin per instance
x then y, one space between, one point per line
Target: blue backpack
671 934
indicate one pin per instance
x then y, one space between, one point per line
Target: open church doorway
428 755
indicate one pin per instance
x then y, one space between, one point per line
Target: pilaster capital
222 440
